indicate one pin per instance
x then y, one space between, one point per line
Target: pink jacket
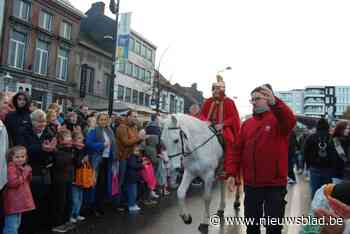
17 195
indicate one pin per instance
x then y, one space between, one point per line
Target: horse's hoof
236 205
186 218
221 213
203 228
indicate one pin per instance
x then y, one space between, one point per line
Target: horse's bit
183 137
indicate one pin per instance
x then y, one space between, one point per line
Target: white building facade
294 99
134 82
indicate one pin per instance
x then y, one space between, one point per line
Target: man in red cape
221 112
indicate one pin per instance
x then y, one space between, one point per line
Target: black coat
38 159
338 162
14 121
311 151
134 165
63 167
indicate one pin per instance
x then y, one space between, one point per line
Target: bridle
184 137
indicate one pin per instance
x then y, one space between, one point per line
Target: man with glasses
262 153
222 113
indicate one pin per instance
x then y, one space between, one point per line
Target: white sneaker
291 181
72 220
134 208
154 195
80 218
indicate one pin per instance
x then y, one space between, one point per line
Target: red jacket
17 195
262 148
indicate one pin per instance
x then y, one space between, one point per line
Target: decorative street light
7 79
114 8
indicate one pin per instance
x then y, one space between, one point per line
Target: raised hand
268 95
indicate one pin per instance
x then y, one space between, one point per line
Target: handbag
115 181
85 176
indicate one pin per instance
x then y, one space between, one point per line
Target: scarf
111 136
260 110
216 112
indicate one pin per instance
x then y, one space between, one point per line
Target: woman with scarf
341 158
102 149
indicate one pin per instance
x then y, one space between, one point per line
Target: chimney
97 8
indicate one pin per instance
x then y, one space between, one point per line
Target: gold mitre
219 81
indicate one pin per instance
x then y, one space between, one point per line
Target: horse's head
176 135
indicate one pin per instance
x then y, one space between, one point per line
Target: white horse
190 138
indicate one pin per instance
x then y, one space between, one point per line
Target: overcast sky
289 44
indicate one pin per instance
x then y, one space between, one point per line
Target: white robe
4 143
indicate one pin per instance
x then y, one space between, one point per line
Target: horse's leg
208 189
222 199
181 195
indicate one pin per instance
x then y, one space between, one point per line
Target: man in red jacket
262 154
221 111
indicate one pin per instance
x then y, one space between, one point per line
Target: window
137 47
129 69
172 104
142 74
21 9
148 77
135 96
163 101
147 100
62 65
90 79
141 98
131 43
143 51
128 95
120 93
41 57
17 49
66 30
121 66
136 71
45 21
149 54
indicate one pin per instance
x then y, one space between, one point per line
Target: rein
183 136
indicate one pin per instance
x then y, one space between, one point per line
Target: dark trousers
40 218
291 162
59 202
268 201
101 185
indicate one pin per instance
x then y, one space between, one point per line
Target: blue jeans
77 199
122 171
132 194
12 223
319 177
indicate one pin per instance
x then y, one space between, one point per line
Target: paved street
163 218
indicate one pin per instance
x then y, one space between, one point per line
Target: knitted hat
341 192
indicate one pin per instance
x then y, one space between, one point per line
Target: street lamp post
114 8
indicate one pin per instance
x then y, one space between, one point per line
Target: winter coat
4 142
82 120
338 162
262 147
134 165
17 195
127 138
38 159
95 142
312 151
63 167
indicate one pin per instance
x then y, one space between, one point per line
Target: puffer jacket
17 194
262 147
